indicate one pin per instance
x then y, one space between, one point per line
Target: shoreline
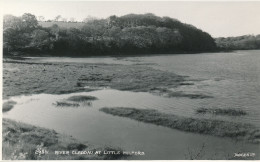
23 141
118 55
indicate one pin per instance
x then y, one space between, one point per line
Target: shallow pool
87 123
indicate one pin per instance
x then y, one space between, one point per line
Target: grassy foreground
20 142
220 128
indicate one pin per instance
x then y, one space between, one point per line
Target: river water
231 78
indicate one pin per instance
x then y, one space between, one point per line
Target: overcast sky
217 18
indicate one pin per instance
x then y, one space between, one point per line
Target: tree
54 30
41 18
13 22
95 29
17 31
30 22
14 40
40 39
57 18
168 37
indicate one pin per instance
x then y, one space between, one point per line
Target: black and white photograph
130 80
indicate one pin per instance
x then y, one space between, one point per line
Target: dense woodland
129 34
245 42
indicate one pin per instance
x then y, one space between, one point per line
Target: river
231 78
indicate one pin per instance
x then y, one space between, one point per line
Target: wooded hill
245 42
126 35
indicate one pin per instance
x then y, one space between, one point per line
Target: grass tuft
81 98
217 111
203 126
76 146
7 106
66 104
191 96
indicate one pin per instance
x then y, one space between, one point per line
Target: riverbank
26 142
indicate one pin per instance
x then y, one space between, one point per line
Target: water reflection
88 124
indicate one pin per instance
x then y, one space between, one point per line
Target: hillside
245 42
130 34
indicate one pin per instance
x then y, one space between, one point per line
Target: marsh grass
7 106
21 140
179 94
218 111
66 104
77 146
196 154
238 131
191 96
78 76
81 98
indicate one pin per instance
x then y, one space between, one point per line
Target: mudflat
25 78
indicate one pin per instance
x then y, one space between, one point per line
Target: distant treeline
46 24
129 34
245 42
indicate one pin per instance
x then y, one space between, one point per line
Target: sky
218 18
